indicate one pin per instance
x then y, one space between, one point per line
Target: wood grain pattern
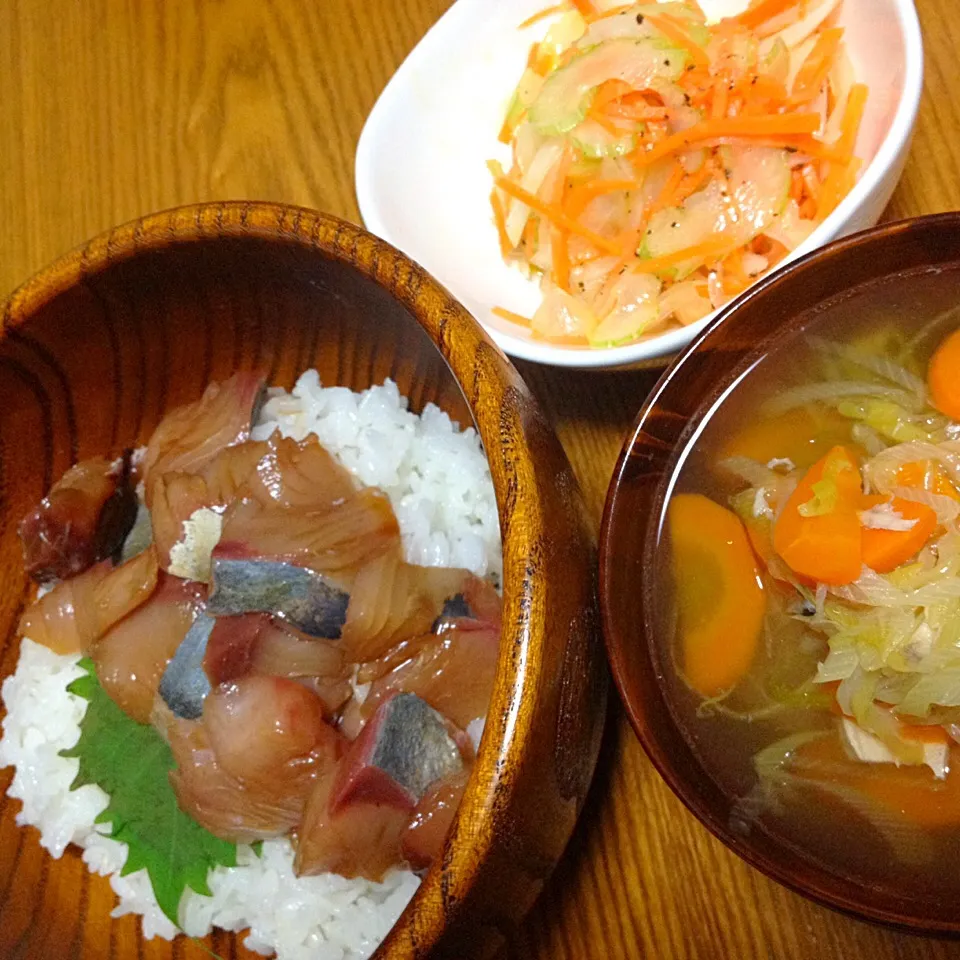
114 108
94 351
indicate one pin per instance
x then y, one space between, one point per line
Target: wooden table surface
114 108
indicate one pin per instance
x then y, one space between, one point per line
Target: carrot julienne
500 221
505 314
672 30
813 73
759 13
554 215
730 126
542 15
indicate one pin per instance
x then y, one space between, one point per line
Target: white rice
439 483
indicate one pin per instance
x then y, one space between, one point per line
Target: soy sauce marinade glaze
821 693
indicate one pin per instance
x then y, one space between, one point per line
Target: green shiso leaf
130 762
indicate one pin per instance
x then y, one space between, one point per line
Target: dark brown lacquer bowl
923 254
97 347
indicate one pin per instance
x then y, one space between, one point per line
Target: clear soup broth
808 589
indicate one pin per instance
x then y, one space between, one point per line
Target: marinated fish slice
316 663
78 611
229 809
269 729
453 671
478 602
256 644
332 541
422 841
192 435
354 820
131 657
184 685
392 600
230 647
83 519
175 497
362 840
310 601
403 750
301 475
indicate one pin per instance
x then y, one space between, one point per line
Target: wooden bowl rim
442 317
819 889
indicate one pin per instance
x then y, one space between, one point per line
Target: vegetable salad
661 164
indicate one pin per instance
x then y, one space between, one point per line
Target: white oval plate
423 184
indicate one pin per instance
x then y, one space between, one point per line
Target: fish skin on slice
356 816
185 686
132 656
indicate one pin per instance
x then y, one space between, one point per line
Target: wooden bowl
926 252
98 346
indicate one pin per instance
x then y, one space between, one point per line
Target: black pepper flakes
640 18
675 224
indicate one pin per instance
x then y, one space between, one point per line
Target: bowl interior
479 52
910 266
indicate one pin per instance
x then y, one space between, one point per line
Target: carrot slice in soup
943 376
907 792
818 534
885 550
802 435
720 597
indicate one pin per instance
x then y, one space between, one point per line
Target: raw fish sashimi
255 564
355 820
131 657
301 475
256 644
222 804
185 685
453 671
192 435
329 541
83 519
78 611
176 496
452 668
423 839
269 729
392 600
